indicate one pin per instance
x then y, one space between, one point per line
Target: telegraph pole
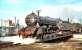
80 20
15 21
1 22
1 27
17 24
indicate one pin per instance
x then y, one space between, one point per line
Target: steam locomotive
44 28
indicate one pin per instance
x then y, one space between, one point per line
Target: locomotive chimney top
38 12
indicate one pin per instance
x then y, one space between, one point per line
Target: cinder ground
69 45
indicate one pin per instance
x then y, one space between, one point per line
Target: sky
54 8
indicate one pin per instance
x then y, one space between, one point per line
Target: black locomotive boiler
44 28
